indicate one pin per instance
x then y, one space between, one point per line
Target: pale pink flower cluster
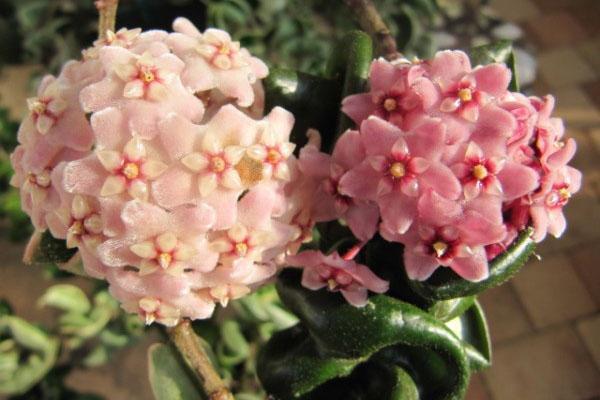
447 162
152 157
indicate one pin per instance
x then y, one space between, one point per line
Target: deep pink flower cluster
151 156
447 162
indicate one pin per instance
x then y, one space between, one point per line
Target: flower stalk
107 16
370 20
187 343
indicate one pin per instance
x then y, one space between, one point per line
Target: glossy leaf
447 310
471 327
313 100
334 338
497 52
169 378
350 64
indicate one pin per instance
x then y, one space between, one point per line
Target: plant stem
187 343
370 20
108 16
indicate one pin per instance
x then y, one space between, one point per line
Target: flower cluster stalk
185 340
107 16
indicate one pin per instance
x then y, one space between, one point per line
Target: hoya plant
381 197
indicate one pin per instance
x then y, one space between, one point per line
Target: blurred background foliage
297 34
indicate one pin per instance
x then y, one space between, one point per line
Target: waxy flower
547 204
218 160
397 167
395 93
328 201
121 164
456 164
465 90
155 239
47 108
213 60
493 175
353 280
176 208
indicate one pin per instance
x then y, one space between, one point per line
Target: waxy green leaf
334 338
315 101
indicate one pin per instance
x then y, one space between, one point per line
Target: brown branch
187 343
107 10
370 21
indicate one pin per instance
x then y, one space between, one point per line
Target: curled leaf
335 338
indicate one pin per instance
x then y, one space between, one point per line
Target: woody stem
370 21
188 344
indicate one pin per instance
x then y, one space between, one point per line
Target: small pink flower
129 170
329 202
155 240
81 225
47 108
213 60
396 90
274 147
143 78
353 280
479 174
464 99
444 246
547 204
152 309
398 165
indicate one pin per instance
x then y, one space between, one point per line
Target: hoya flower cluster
446 161
151 156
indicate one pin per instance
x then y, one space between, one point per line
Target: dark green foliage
52 32
336 340
52 250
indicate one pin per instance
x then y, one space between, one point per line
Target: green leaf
334 338
471 327
169 378
67 298
234 348
497 52
98 356
51 250
315 101
449 309
350 63
444 284
42 351
297 92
